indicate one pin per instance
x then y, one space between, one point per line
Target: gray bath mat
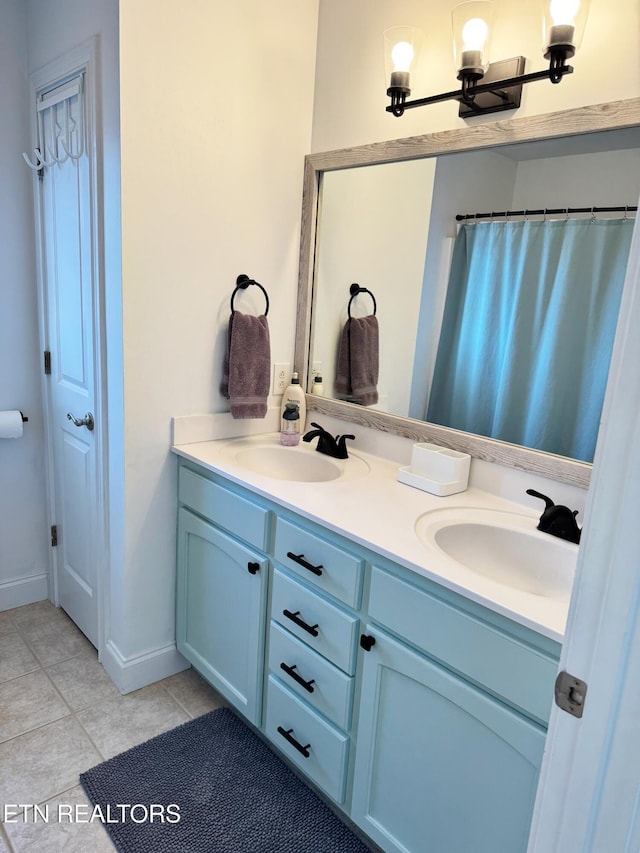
232 795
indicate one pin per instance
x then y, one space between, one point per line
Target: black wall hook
354 290
242 283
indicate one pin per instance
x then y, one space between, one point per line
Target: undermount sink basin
504 547
300 464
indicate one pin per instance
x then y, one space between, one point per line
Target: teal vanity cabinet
222 581
451 732
421 714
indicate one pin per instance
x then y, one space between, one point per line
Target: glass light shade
472 26
563 24
401 50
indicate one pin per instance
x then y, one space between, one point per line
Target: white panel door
70 287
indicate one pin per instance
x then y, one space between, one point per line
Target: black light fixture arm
468 92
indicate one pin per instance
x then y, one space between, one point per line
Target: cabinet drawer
504 665
310 676
322 750
326 628
319 562
225 508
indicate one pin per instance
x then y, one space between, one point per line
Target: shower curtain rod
547 211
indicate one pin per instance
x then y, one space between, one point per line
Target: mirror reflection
497 326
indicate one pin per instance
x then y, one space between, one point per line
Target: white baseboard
21 591
130 674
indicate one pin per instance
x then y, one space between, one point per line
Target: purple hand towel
246 371
357 371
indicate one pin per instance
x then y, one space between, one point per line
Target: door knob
87 420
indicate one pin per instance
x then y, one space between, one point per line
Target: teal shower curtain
527 332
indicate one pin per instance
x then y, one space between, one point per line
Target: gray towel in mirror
357 371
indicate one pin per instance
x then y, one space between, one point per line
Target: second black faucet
557 520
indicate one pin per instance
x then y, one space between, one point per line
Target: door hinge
47 361
570 693
54 535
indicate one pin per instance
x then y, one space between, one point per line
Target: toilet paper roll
11 424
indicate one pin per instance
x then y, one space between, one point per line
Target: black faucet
336 447
557 520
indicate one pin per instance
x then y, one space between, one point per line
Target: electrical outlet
281 377
316 370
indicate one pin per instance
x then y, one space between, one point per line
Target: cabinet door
439 765
221 611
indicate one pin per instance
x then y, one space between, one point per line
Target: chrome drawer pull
286 734
295 617
299 559
290 670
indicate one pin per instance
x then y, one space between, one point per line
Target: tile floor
61 714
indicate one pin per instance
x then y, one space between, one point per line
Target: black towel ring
354 290
242 283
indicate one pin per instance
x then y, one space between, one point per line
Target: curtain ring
626 210
566 214
593 216
526 215
545 215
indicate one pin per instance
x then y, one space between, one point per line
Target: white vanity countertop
380 513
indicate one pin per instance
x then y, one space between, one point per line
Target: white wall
351 88
23 514
216 104
607 178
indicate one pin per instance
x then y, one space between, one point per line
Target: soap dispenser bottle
290 425
294 394
317 388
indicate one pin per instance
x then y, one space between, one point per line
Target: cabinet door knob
367 642
253 568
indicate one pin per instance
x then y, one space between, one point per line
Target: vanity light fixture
486 87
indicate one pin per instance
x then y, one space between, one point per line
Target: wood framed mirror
564 128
